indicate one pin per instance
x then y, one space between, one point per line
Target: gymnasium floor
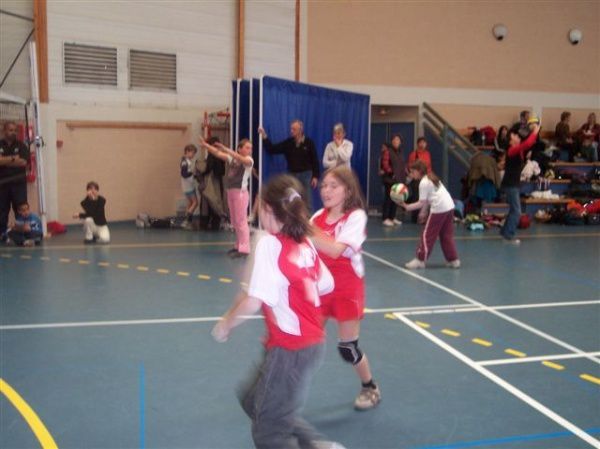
110 346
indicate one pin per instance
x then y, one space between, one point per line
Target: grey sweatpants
274 396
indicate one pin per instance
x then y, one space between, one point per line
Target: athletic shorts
191 194
344 304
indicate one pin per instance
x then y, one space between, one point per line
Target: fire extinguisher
31 168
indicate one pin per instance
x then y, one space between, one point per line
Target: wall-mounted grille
151 70
90 64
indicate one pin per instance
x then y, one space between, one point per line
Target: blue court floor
110 346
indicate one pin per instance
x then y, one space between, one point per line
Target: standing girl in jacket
392 164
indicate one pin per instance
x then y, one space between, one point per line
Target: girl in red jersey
339 232
286 280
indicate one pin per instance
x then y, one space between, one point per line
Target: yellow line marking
390 316
422 324
122 265
163 271
7 256
64 260
225 280
553 365
44 258
40 431
142 268
25 256
103 264
203 277
183 273
83 262
451 332
481 342
515 352
590 378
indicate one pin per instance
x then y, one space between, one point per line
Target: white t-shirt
438 197
334 156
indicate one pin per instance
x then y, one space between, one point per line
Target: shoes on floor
367 398
453 263
388 223
415 264
28 242
515 242
396 222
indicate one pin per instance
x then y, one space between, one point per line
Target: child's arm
414 206
326 244
246 160
242 307
213 150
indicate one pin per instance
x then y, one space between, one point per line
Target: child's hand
220 332
262 132
201 140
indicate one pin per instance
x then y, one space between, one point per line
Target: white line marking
115 323
537 358
484 307
504 384
419 309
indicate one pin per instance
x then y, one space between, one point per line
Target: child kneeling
95 226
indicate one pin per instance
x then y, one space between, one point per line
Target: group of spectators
582 145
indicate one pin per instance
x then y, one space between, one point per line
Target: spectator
301 156
27 230
14 157
210 171
562 135
522 125
501 142
590 131
188 183
421 153
393 167
339 151
95 226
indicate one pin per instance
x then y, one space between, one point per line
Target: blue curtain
319 108
244 112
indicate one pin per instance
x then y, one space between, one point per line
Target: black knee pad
350 351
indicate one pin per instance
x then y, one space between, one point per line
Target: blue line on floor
514 439
142 407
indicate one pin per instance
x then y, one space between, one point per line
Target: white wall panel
201 33
13 32
270 38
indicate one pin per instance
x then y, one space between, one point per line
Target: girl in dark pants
392 170
287 277
440 222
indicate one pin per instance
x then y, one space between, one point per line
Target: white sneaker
515 242
453 263
415 264
397 222
387 222
327 445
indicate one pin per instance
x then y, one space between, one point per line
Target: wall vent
90 64
151 70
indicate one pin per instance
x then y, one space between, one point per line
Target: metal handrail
460 137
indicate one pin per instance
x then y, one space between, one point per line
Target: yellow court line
225 280
183 273
6 256
142 268
44 258
83 262
25 256
37 426
103 264
553 365
163 271
515 352
204 277
451 332
122 265
389 316
64 260
479 341
590 378
422 324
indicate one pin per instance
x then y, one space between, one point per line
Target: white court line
115 323
539 358
504 384
484 307
459 308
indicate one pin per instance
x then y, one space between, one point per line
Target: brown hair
420 166
283 194
565 115
242 143
93 184
190 147
354 196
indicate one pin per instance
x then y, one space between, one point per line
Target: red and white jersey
288 277
350 230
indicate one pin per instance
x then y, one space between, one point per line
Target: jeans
276 393
389 207
513 199
305 177
19 237
11 193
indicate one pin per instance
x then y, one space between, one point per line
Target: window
90 64
151 70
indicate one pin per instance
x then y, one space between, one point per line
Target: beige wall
464 116
450 44
138 170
